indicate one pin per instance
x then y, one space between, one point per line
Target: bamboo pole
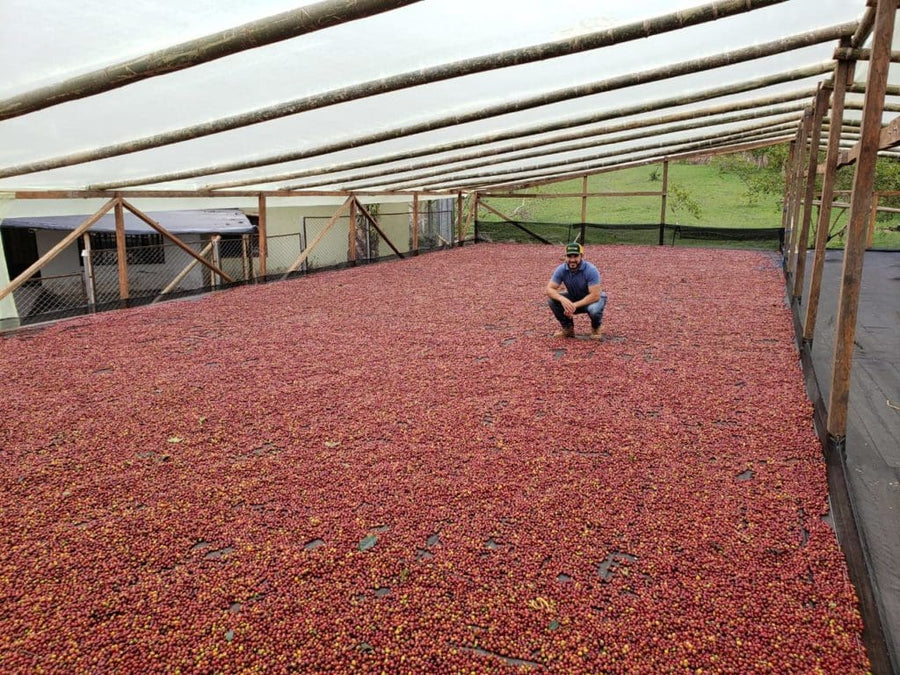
842 77
121 253
175 240
261 228
251 35
697 118
815 142
88 271
368 216
459 69
523 183
305 254
696 142
55 251
172 285
663 198
863 180
848 53
351 233
661 104
473 218
540 147
459 218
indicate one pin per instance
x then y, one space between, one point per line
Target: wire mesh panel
152 270
635 233
48 297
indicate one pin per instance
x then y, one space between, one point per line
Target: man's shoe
564 332
597 333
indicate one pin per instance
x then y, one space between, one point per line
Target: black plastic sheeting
864 466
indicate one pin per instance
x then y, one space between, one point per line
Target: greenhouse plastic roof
49 42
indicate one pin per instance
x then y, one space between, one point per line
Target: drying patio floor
396 468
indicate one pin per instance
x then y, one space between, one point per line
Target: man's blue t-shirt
577 282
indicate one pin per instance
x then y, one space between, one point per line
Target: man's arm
554 294
592 296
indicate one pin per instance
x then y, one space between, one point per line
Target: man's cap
574 248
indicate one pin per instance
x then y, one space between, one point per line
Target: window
140 249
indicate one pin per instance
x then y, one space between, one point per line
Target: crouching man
582 293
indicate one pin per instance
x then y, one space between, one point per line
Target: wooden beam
843 75
172 285
55 251
815 142
800 159
121 253
261 230
888 137
371 219
305 254
850 54
175 240
663 200
863 180
516 57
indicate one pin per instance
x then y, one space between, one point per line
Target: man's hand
568 305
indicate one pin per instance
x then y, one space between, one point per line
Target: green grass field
720 200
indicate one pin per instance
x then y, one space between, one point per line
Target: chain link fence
157 269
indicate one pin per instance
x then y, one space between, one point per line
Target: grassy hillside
710 199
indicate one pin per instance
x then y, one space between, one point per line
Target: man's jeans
594 310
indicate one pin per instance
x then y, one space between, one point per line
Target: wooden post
175 240
459 218
875 199
315 242
415 224
843 77
246 260
217 262
475 212
121 255
368 216
172 285
88 271
584 190
786 201
351 234
799 163
53 252
263 240
664 198
815 141
863 180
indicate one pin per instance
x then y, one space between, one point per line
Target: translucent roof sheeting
313 138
